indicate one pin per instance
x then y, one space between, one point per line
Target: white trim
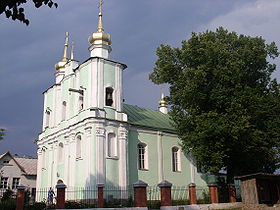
160 157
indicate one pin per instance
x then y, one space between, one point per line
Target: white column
72 160
39 172
55 160
57 105
94 84
87 145
118 88
50 165
160 157
100 87
100 154
192 169
122 142
66 160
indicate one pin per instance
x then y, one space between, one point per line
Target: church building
90 136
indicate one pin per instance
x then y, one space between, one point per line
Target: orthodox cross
100 5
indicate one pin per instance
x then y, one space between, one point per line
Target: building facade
89 136
15 171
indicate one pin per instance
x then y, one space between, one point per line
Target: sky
28 53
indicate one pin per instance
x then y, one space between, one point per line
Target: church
90 136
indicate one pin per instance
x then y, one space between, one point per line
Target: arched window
60 152
111 145
175 159
47 119
43 157
81 102
142 156
78 146
109 96
63 111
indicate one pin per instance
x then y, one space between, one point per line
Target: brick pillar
213 191
60 198
232 193
165 193
192 193
100 192
20 197
140 194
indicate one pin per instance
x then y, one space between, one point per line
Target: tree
13 9
1 133
224 104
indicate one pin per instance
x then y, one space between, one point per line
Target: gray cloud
28 54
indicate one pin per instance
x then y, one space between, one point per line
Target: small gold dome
60 64
100 37
162 103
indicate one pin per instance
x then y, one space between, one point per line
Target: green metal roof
148 118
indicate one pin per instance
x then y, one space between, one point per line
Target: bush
7 195
8 204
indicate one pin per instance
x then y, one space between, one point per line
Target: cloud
258 18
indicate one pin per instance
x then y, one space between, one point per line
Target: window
81 102
47 122
43 158
78 146
60 152
142 156
175 159
109 96
6 161
4 182
15 183
63 111
111 145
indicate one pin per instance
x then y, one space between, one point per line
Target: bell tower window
47 122
109 96
64 105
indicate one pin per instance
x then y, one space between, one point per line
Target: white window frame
175 159
4 182
142 159
15 184
63 111
48 118
112 145
60 152
105 94
79 147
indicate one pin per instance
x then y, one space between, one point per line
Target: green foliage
8 204
7 195
224 104
2 133
13 9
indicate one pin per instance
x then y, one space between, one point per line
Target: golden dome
100 37
61 64
162 103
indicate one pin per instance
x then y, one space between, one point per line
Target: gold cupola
163 104
61 64
100 42
100 37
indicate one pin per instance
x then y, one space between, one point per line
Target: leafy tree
224 104
13 9
1 133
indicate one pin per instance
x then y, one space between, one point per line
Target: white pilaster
192 169
100 154
100 88
160 157
72 160
50 165
94 84
122 137
55 160
66 160
39 172
118 88
87 144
